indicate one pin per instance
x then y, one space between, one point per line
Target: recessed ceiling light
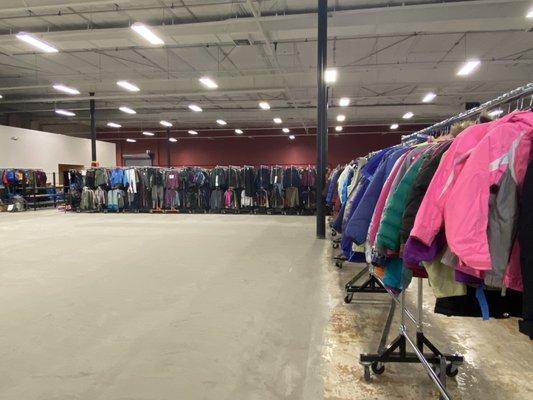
195 108
128 86
147 33
114 125
65 89
330 76
165 123
286 130
208 82
193 133
496 113
428 98
1 97
131 140
127 110
221 122
344 101
338 128
65 113
264 105
172 139
341 118
239 131
277 120
394 126
146 133
40 44
408 115
292 137
530 13
468 67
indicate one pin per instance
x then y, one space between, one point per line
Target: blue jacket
332 184
117 177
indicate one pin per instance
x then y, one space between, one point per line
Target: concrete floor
156 307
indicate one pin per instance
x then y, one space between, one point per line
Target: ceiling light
131 140
394 126
468 67
239 131
146 33
221 122
338 128
172 139
195 108
128 86
530 13
330 76
65 113
40 44
146 133
208 82
277 120
344 102
165 123
292 137
408 115
127 110
341 118
113 125
1 97
66 89
496 113
264 105
286 130
428 98
193 133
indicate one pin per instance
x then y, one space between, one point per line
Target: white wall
44 150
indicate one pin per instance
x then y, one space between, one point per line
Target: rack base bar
371 285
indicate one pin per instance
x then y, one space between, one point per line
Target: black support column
322 117
93 128
168 147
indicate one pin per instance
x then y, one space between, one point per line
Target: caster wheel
338 264
367 373
377 368
348 299
335 245
452 370
333 233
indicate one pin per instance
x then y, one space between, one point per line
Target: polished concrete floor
156 307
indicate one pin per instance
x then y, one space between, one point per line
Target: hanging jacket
117 177
344 180
249 181
291 177
262 179
525 238
331 185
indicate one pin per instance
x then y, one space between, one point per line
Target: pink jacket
466 211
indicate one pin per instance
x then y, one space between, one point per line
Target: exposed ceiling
388 54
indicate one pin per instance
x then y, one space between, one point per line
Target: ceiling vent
242 42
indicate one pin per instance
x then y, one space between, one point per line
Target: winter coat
343 182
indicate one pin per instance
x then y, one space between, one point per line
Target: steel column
93 127
168 147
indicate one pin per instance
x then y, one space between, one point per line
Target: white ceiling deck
388 55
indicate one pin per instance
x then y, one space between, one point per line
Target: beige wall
44 150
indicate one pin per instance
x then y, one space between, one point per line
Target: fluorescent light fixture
65 89
277 120
292 137
127 110
338 128
195 108
65 113
239 131
1 97
208 82
286 130
131 140
146 133
165 123
114 125
408 115
530 13
40 44
394 126
221 122
344 102
172 139
429 97
147 33
264 105
193 133
128 86
496 113
341 118
469 67
330 76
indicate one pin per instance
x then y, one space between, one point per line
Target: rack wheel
333 232
452 370
367 373
335 245
348 299
338 264
377 368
